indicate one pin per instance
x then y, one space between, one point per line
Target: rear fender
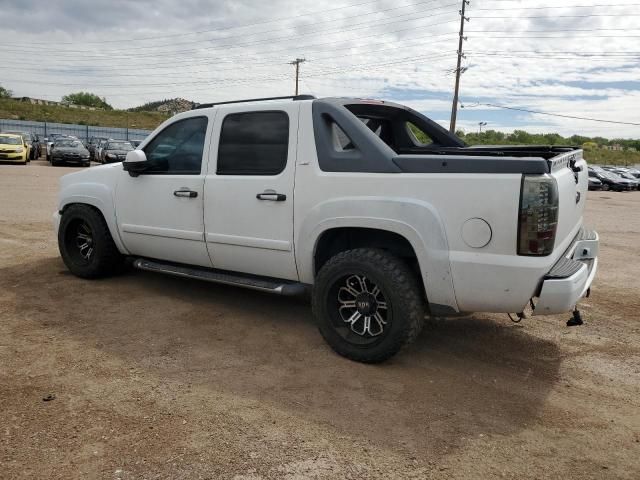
415 220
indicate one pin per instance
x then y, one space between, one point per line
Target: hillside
16 110
171 106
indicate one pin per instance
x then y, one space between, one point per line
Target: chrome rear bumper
571 277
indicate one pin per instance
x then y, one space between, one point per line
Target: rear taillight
538 217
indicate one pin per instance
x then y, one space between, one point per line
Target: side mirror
135 163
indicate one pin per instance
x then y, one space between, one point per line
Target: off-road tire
401 290
104 260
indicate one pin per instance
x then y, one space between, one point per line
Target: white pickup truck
378 211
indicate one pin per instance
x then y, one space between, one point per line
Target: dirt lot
156 377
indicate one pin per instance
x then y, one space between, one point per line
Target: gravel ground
156 377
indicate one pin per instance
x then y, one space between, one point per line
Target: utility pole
480 125
297 63
454 108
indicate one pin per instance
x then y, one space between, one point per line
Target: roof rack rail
290 97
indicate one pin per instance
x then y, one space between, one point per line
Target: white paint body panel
153 222
228 228
245 234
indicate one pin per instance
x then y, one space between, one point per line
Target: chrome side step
253 282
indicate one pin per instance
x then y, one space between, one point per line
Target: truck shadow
463 377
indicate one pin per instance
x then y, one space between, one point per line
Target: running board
253 282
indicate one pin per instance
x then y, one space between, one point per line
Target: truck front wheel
368 304
85 243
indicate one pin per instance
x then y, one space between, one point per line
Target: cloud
209 50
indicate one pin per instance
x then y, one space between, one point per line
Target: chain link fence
83 132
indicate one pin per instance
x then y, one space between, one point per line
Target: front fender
97 195
415 220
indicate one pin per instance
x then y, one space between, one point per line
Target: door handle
272 196
185 193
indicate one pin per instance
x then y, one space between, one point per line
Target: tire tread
403 281
109 260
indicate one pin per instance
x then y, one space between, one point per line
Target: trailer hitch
576 319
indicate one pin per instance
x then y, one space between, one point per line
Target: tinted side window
253 143
178 148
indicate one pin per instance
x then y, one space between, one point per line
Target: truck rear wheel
86 245
368 304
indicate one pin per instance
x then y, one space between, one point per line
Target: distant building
615 146
39 101
36 101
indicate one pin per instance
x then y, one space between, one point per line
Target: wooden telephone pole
454 108
297 63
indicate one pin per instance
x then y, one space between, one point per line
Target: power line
561 30
253 80
253 65
562 6
155 66
129 40
109 53
231 46
537 112
364 66
561 57
569 16
551 52
174 64
563 37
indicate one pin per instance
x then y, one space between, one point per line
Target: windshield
119 146
69 143
10 140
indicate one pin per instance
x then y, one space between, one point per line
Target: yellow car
13 148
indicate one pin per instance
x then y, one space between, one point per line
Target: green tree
87 99
521 137
4 93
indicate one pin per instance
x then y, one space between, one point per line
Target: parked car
135 143
635 172
50 140
338 196
32 142
114 151
627 176
91 146
26 138
69 151
594 183
610 181
13 148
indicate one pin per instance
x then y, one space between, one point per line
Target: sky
579 59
